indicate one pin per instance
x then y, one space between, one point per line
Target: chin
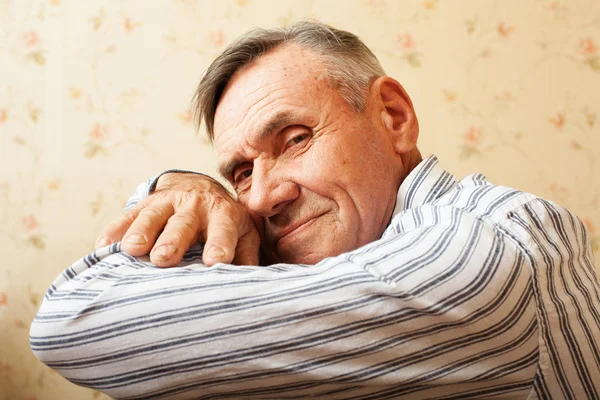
309 258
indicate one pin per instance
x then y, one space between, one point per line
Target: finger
114 231
144 230
180 233
221 238
246 252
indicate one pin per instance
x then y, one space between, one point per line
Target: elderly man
383 276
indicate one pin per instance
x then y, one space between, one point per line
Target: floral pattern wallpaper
94 98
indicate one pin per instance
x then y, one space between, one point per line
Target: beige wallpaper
94 97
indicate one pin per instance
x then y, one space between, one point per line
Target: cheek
329 174
321 172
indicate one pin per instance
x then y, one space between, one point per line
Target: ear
397 113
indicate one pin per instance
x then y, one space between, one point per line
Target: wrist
186 180
166 179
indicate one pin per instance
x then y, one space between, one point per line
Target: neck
410 161
413 158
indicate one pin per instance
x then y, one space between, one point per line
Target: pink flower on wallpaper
474 136
32 47
54 184
504 97
31 39
3 299
589 225
130 92
75 93
130 24
505 30
405 42
99 132
558 6
30 223
430 5
98 143
407 45
3 115
449 95
31 227
558 120
588 47
185 117
377 3
557 189
217 38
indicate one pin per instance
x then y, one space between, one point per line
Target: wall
94 98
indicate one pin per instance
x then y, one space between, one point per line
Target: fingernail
135 238
215 252
165 252
102 242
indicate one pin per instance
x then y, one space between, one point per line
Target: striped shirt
473 291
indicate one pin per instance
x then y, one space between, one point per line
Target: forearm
128 329
205 321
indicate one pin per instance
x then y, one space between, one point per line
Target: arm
429 310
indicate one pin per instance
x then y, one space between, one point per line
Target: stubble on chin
326 237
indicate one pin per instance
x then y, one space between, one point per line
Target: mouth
295 229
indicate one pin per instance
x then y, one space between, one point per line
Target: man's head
314 138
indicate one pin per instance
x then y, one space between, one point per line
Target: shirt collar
424 184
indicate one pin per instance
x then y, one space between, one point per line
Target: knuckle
112 227
126 218
230 225
153 213
225 227
185 222
218 203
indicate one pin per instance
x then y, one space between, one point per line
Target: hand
185 209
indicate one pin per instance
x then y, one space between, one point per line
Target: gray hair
348 62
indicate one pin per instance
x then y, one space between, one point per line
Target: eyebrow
273 125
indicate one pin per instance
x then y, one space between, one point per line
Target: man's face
317 178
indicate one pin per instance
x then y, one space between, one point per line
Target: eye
297 139
241 174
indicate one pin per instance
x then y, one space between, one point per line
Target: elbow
49 334
41 338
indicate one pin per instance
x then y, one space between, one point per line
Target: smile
293 231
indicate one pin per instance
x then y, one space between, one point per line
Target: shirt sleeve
440 306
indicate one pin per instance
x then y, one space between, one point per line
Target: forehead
289 80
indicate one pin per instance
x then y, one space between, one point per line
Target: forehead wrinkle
261 103
254 133
275 123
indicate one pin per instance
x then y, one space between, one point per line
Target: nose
271 190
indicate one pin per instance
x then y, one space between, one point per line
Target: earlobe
397 114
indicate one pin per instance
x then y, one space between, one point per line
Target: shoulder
518 216
473 199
